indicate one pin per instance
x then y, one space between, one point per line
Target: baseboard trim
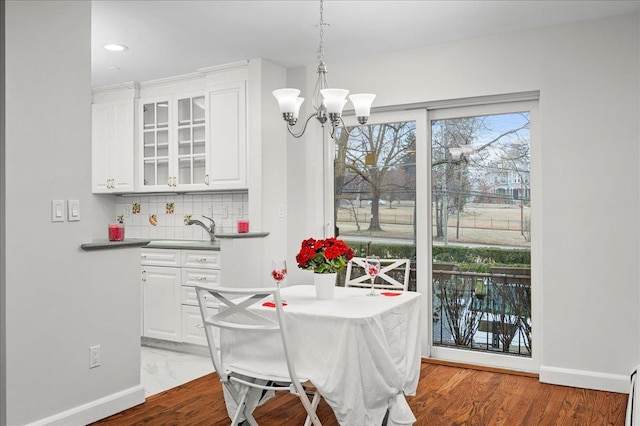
98 409
584 379
478 367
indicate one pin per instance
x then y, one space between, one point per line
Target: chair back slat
384 280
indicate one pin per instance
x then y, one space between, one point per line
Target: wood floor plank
447 395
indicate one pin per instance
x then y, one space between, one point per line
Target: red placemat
388 293
272 304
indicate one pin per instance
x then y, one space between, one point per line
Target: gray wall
59 299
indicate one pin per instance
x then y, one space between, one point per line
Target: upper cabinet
227 131
179 134
173 144
112 145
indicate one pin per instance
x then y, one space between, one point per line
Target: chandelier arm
298 135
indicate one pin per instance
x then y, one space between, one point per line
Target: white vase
325 283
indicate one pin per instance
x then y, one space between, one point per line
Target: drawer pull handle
202 259
201 278
199 326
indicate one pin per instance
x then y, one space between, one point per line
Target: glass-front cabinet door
192 150
174 146
155 143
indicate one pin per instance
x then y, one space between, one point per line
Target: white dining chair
357 277
239 380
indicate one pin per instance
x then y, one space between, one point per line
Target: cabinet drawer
201 277
201 259
160 257
192 329
189 297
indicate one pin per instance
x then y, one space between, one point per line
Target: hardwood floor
447 395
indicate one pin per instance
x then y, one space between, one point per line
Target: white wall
60 300
587 75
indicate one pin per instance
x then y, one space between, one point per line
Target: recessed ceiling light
116 47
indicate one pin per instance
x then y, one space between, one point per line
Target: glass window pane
163 137
149 151
163 172
199 169
375 192
162 112
481 199
149 138
199 148
184 111
184 135
184 171
149 173
184 148
149 116
198 133
198 109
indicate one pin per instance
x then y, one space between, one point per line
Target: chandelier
327 103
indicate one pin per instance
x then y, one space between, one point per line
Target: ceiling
167 38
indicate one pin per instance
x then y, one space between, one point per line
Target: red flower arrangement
324 256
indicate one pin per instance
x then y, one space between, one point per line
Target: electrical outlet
94 356
281 210
225 212
239 214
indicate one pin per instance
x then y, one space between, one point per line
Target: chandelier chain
321 24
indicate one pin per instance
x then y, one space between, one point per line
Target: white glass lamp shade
334 99
362 103
287 99
296 110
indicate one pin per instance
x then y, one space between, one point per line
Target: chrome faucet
210 229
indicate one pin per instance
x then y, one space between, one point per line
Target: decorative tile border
165 216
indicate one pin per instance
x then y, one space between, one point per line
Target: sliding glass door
482 210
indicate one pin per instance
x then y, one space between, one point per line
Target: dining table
361 352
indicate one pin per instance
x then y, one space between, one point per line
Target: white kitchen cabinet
170 305
173 145
112 147
227 133
162 310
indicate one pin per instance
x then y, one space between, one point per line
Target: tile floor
161 369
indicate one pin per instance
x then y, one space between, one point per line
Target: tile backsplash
164 216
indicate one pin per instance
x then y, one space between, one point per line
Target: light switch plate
73 210
57 210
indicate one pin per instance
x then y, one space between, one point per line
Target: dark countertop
106 244
184 244
243 235
169 244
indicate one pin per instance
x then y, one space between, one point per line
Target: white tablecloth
361 352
